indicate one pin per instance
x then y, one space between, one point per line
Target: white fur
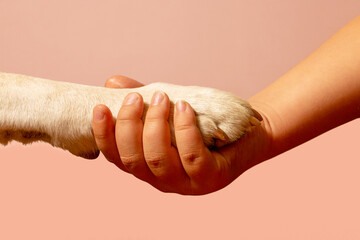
60 113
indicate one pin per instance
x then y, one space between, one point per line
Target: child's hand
145 150
320 93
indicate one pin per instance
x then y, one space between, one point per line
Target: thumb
119 81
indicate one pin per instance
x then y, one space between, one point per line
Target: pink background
311 192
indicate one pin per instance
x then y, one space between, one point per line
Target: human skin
320 93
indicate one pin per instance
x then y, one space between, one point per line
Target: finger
161 158
196 158
119 81
104 127
128 131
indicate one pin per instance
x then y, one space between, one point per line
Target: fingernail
180 106
99 115
157 98
131 99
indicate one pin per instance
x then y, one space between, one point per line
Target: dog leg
60 113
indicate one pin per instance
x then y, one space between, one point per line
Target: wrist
266 131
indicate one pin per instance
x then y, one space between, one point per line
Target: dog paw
225 119
222 117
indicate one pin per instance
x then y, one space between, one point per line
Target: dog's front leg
60 113
33 109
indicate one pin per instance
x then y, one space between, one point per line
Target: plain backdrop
310 192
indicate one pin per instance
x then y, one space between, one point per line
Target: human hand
145 150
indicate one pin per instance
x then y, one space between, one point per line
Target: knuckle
155 161
181 127
131 161
128 113
152 117
191 158
152 120
154 126
123 120
157 112
101 133
101 136
124 123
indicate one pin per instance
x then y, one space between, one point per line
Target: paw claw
220 138
221 135
254 121
257 115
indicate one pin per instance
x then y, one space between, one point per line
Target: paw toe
220 138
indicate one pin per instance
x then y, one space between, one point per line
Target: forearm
320 93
